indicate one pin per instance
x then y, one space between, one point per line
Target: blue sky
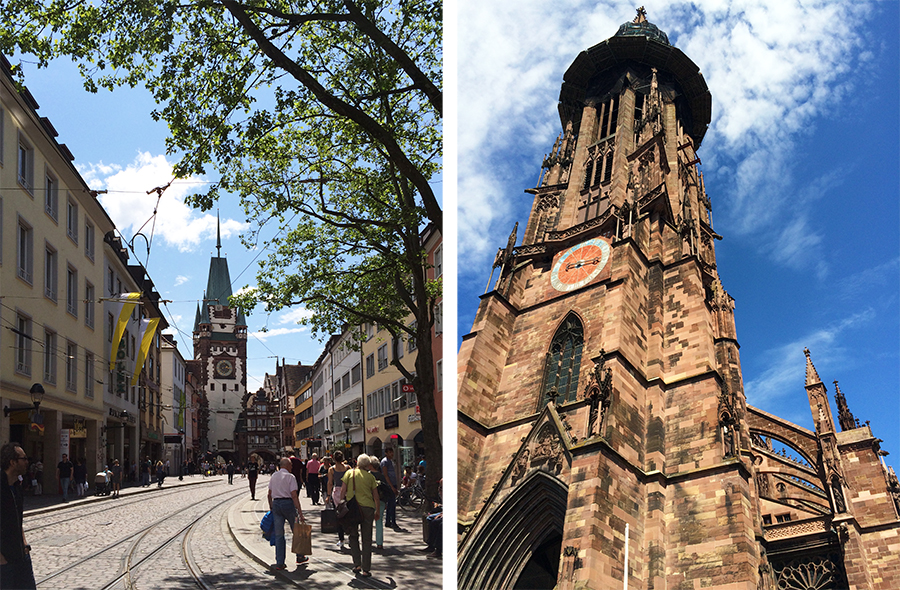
801 163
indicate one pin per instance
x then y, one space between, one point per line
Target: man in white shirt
285 507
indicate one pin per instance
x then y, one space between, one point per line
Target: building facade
61 265
604 436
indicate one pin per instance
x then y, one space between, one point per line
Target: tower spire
218 235
845 417
812 377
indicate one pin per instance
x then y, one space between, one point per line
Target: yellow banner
124 304
148 330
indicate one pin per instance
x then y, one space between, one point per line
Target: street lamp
347 422
37 395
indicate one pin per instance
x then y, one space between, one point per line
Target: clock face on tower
579 265
224 368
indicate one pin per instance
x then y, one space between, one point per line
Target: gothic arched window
564 361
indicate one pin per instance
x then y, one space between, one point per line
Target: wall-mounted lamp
37 396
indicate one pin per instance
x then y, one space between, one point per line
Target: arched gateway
521 541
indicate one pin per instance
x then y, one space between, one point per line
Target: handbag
348 512
301 544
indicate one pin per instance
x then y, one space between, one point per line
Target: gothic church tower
604 436
220 346
600 395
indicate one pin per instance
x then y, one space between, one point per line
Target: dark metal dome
642 28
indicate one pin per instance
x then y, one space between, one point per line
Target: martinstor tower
603 428
220 347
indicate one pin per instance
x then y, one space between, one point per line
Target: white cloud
772 67
180 280
263 336
131 207
295 315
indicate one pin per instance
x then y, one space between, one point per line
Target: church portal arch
522 538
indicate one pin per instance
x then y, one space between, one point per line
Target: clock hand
580 263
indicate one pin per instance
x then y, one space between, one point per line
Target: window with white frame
337 387
88 304
382 357
51 264
356 373
25 165
72 290
49 356
439 261
88 374
345 381
71 366
51 195
439 318
370 365
370 331
25 251
110 281
72 219
23 344
399 346
411 340
88 238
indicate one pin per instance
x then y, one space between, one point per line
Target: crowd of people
373 483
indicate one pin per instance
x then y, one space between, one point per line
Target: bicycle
412 498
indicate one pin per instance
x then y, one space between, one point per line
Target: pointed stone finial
812 377
641 16
845 417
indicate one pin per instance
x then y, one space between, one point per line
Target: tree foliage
324 117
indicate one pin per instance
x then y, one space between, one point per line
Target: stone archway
521 539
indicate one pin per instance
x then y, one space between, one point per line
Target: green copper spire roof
218 286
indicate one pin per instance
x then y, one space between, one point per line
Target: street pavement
400 564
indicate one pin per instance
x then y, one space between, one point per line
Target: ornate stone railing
810 526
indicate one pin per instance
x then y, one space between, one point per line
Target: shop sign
152 435
392 421
79 430
408 388
64 441
414 418
372 429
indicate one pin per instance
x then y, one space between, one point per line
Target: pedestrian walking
15 552
79 474
312 478
298 469
390 477
230 470
252 474
323 477
64 475
116 470
358 483
39 476
335 473
383 492
284 503
146 467
160 473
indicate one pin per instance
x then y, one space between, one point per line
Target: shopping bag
329 520
302 541
349 514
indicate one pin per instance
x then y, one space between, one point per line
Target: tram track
53 518
137 554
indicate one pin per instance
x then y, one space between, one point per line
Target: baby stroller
101 483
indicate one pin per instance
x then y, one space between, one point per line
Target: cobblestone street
204 533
